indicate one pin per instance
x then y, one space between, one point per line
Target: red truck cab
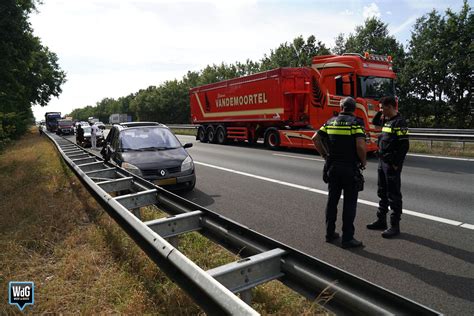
286 106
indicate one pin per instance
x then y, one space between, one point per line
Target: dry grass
53 233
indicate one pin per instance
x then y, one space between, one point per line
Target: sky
111 48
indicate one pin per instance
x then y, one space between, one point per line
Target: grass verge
181 131
53 233
450 149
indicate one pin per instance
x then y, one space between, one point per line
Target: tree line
29 71
434 86
435 72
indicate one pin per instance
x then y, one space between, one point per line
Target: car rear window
148 137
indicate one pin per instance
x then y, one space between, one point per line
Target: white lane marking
302 187
298 157
293 185
441 157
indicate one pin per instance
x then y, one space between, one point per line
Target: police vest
340 133
393 139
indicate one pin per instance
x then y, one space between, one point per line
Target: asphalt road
281 194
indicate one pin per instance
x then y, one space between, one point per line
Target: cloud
389 12
111 48
371 11
347 12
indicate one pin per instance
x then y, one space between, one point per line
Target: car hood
155 159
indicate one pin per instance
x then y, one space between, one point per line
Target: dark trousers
389 184
341 178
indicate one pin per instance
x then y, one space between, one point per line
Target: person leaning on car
79 135
393 147
341 142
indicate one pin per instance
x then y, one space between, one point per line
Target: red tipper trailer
286 106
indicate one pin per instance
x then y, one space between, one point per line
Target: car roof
135 124
127 125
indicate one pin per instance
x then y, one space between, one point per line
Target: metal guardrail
213 290
431 134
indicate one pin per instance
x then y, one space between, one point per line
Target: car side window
108 139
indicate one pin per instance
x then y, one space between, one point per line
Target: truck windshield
65 123
148 138
375 87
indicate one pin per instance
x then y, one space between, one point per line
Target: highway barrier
264 259
435 134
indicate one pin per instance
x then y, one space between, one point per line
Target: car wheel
190 187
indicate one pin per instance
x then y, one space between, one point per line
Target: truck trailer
119 118
51 120
287 106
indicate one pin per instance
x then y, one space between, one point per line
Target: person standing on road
393 146
79 135
341 142
94 132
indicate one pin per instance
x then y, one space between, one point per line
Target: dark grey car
152 152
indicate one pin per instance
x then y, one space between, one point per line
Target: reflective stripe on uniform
339 132
344 130
395 130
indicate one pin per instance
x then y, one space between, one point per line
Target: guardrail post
246 296
137 213
174 241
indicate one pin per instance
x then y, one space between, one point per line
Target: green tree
372 37
29 71
299 53
439 67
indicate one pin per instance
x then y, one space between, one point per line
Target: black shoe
379 224
353 243
332 237
391 232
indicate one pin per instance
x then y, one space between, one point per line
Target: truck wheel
202 134
272 139
221 136
211 134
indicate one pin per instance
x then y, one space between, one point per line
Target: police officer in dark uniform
341 142
393 147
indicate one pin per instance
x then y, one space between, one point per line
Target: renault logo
162 172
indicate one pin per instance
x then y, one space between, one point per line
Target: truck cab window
344 85
338 85
375 87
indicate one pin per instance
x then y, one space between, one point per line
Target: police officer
393 147
341 142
